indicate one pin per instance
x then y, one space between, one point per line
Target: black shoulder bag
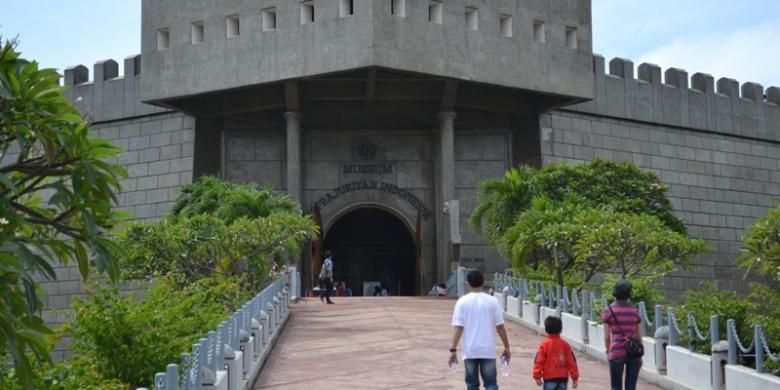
634 348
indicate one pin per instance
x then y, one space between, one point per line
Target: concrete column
445 191
293 154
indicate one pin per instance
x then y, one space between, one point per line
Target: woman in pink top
620 323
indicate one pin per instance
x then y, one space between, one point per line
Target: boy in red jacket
555 361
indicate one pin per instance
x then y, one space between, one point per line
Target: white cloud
748 54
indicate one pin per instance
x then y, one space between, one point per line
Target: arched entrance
370 244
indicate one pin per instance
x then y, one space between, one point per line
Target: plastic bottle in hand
504 366
454 366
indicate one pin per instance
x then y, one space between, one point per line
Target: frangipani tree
46 148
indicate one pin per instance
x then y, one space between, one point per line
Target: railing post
195 378
643 322
672 328
758 332
159 381
714 331
172 377
585 306
691 335
732 341
576 305
564 294
551 297
186 365
460 281
521 288
659 317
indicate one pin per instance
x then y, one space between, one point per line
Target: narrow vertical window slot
435 11
571 37
307 12
398 8
163 39
269 19
539 33
472 19
505 25
232 26
197 33
346 8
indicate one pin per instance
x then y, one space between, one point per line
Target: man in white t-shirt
477 317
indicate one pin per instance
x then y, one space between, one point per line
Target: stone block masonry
719 183
724 107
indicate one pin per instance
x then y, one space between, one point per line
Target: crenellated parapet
108 96
697 102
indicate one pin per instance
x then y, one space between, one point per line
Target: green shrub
73 374
708 300
131 340
764 310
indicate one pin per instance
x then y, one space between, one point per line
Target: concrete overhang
371 37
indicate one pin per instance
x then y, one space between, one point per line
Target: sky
739 39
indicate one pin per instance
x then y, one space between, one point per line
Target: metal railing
568 301
212 355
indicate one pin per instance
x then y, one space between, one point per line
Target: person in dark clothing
326 275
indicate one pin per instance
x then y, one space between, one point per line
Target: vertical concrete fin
703 82
106 70
622 68
676 77
773 95
132 65
728 87
76 75
650 73
753 91
598 65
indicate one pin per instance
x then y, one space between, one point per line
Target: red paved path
390 343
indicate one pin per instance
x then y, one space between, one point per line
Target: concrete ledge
740 377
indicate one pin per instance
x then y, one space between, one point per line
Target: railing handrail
554 296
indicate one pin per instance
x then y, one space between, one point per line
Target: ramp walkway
391 343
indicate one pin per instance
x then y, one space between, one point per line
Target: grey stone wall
157 152
372 36
719 183
479 155
725 107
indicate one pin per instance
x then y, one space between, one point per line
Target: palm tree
501 201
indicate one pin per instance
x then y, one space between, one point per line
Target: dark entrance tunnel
372 245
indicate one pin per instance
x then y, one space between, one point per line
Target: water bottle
504 366
454 366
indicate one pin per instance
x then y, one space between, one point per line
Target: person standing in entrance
327 277
477 317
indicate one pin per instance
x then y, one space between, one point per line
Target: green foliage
644 288
500 201
192 248
761 245
545 235
764 310
73 374
46 146
583 220
131 340
229 202
630 244
621 186
709 300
